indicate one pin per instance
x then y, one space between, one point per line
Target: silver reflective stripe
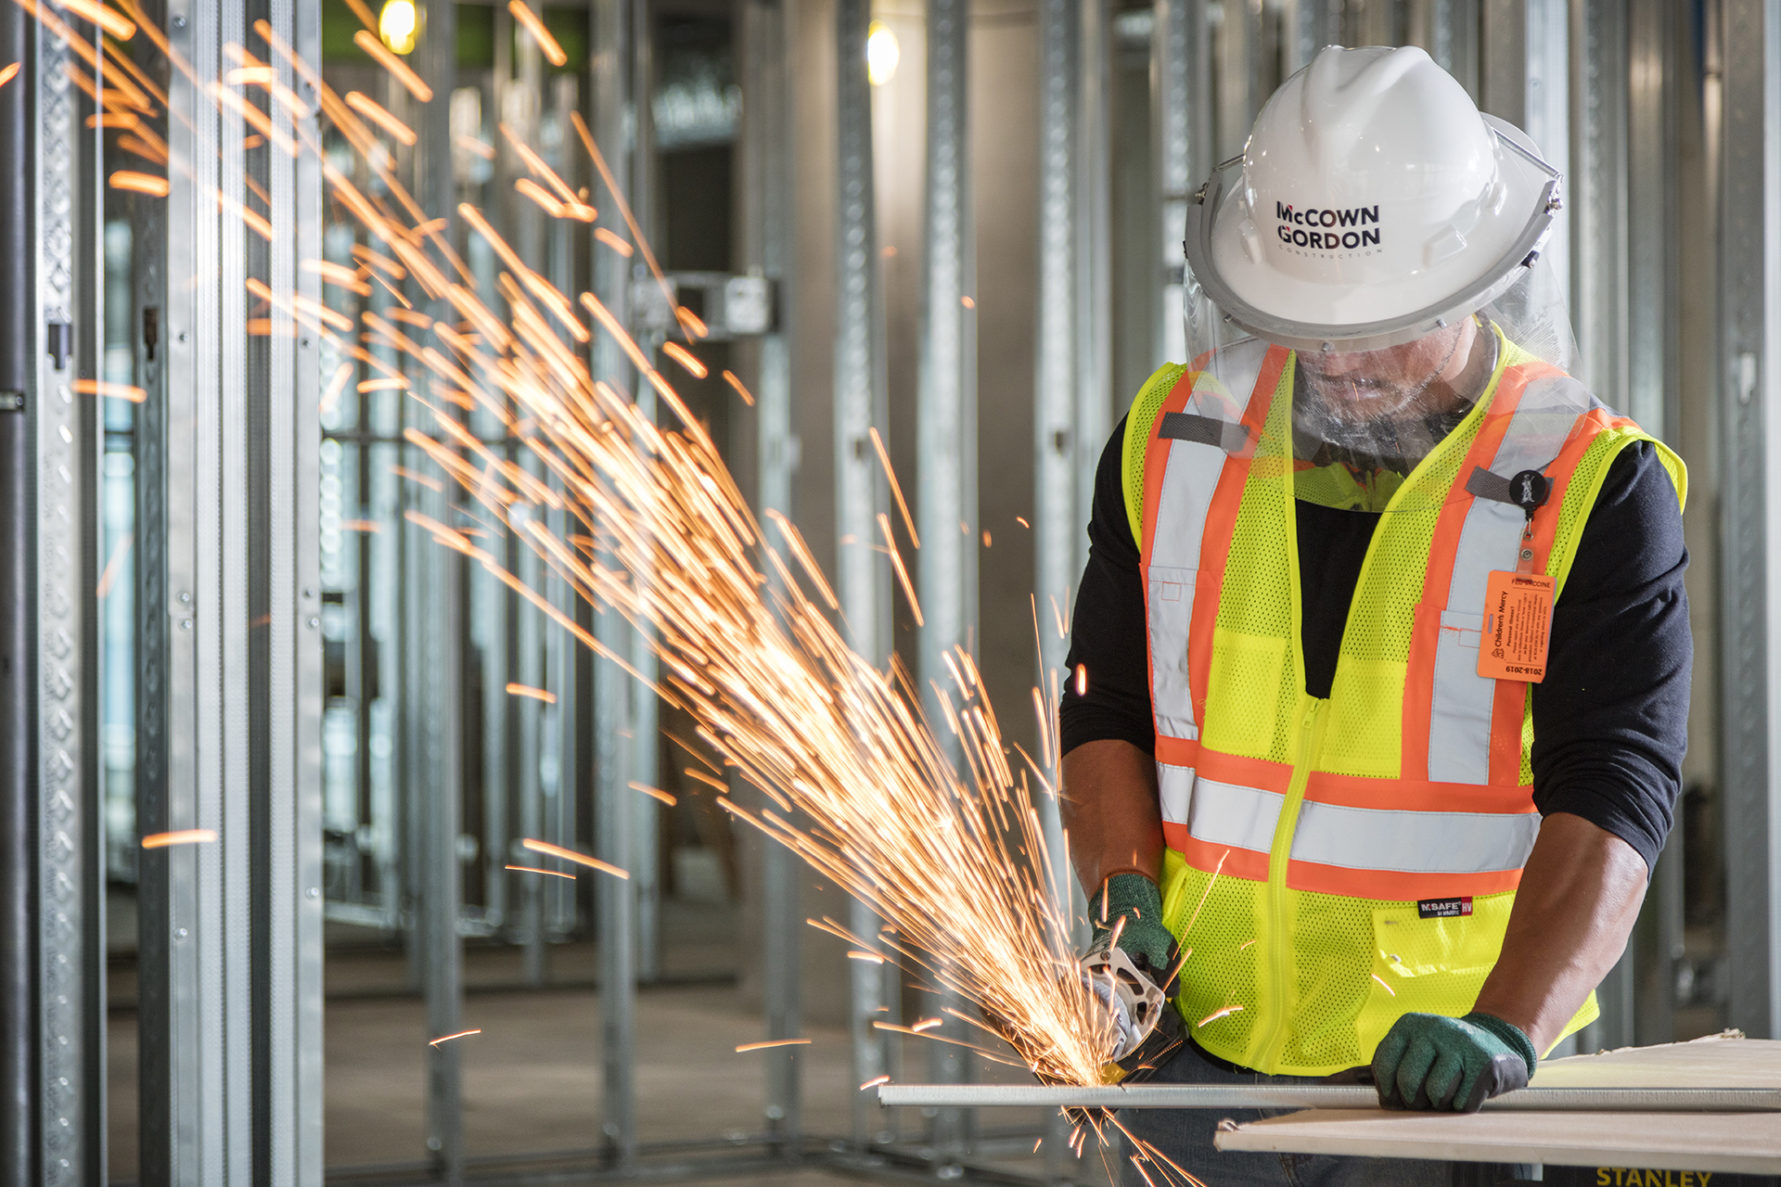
1460 704
1460 700
1190 475
1543 419
1230 814
1353 838
1175 790
1413 842
1169 612
1188 482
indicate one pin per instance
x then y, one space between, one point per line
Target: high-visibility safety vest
1334 863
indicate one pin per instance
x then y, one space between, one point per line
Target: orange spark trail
113 566
400 70
184 836
553 53
109 390
139 183
462 1034
580 859
771 1043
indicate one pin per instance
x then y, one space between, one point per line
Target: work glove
1431 1061
1132 967
1136 899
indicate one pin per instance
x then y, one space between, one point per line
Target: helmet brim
1483 270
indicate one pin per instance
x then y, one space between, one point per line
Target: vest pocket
1169 607
1427 960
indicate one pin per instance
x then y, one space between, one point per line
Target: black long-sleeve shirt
1610 718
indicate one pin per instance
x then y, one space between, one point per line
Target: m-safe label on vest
1517 626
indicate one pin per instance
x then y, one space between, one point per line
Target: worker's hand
1132 967
1136 900
1431 1061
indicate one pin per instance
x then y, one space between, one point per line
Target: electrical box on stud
399 26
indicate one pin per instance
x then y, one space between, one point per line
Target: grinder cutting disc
1144 1025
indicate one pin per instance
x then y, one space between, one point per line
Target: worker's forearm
1110 811
1579 896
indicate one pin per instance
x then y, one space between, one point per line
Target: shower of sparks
462 1034
537 694
874 1082
8 72
1383 985
770 1044
644 519
184 836
539 870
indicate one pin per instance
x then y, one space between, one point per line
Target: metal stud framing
766 247
230 665
1182 116
863 575
61 428
435 587
614 823
230 686
1523 80
1058 514
1750 494
946 424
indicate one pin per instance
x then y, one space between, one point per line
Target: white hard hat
1374 204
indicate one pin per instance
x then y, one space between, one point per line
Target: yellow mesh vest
1284 980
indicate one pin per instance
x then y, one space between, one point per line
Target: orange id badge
1517 626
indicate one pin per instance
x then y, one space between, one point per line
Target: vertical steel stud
766 244
863 576
1749 155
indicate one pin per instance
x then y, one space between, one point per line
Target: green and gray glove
1131 967
1136 899
1431 1061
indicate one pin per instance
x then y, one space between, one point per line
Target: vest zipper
1313 718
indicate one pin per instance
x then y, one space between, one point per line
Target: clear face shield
1378 421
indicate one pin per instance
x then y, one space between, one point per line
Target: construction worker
1380 662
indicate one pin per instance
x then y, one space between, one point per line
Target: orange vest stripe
1425 641
1391 885
1221 522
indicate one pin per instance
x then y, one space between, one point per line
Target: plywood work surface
1719 1142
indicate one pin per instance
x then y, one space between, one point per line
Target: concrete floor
532 1078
